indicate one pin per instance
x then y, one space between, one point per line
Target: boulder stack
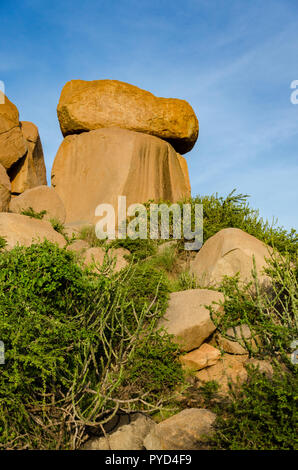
21 152
120 141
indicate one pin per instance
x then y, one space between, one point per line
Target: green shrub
3 243
146 286
271 312
140 249
88 234
58 226
261 415
72 341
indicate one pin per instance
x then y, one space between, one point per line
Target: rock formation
30 170
13 145
95 167
21 151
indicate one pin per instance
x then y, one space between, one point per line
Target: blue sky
233 60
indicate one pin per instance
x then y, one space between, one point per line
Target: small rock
13 145
229 368
30 170
200 358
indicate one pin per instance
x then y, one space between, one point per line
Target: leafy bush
88 234
261 415
148 286
139 248
3 243
234 211
271 312
72 342
58 226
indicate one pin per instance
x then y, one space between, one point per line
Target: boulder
89 105
24 230
187 317
187 430
5 188
228 252
200 358
98 166
241 336
40 198
127 437
13 145
229 368
30 170
232 369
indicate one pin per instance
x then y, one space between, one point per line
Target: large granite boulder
85 106
29 171
228 252
13 145
98 166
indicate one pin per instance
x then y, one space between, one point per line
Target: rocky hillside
136 344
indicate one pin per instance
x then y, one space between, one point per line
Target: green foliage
166 259
3 243
234 211
30 212
88 234
271 313
185 281
58 226
151 353
148 286
261 415
140 249
73 339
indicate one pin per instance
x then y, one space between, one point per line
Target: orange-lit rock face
13 145
86 106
